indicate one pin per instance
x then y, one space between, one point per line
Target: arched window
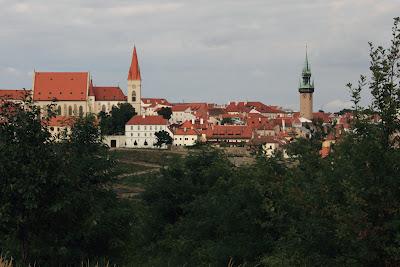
59 111
65 110
145 143
70 111
133 96
80 111
75 110
103 108
135 144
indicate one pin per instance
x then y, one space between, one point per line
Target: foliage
166 112
227 121
56 203
114 123
342 210
163 138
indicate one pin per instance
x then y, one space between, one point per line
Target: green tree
163 137
57 205
114 122
166 112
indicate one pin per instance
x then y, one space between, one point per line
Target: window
80 111
138 134
150 128
155 128
133 96
145 134
138 127
59 111
103 108
131 128
70 111
145 128
145 143
131 134
135 144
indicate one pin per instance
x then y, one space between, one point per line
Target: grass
136 180
150 156
125 167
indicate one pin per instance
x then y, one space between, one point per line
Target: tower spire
134 70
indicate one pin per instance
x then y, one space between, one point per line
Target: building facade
140 131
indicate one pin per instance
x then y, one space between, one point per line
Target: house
150 106
140 131
229 134
186 137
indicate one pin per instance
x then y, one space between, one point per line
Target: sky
198 50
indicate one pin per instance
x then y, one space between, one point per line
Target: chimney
192 121
283 125
184 129
143 116
201 121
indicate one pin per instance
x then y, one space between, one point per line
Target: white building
186 137
181 113
140 131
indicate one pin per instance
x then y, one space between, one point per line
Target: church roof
62 86
108 93
134 70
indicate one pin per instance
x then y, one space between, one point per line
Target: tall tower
306 90
135 84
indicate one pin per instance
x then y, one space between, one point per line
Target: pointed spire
306 68
134 70
91 90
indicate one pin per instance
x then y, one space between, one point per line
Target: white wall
142 134
185 140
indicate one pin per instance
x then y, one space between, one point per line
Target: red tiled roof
108 93
186 131
325 117
232 132
13 94
324 152
156 101
61 121
134 70
63 86
147 120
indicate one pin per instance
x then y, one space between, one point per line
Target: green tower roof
306 85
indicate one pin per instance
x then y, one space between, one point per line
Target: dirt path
142 163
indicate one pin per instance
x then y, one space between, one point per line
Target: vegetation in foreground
57 206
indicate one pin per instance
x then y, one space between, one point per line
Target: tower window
133 96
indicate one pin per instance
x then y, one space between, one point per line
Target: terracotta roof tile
13 94
108 93
147 120
64 86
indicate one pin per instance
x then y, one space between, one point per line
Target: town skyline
241 57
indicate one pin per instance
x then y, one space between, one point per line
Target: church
74 94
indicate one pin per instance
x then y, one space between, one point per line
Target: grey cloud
198 50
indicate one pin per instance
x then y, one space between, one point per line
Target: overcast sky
198 50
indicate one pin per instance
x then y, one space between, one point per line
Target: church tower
306 90
135 84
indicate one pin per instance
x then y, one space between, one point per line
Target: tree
163 137
227 121
114 123
166 112
56 202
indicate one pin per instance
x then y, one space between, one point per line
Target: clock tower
306 90
135 84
